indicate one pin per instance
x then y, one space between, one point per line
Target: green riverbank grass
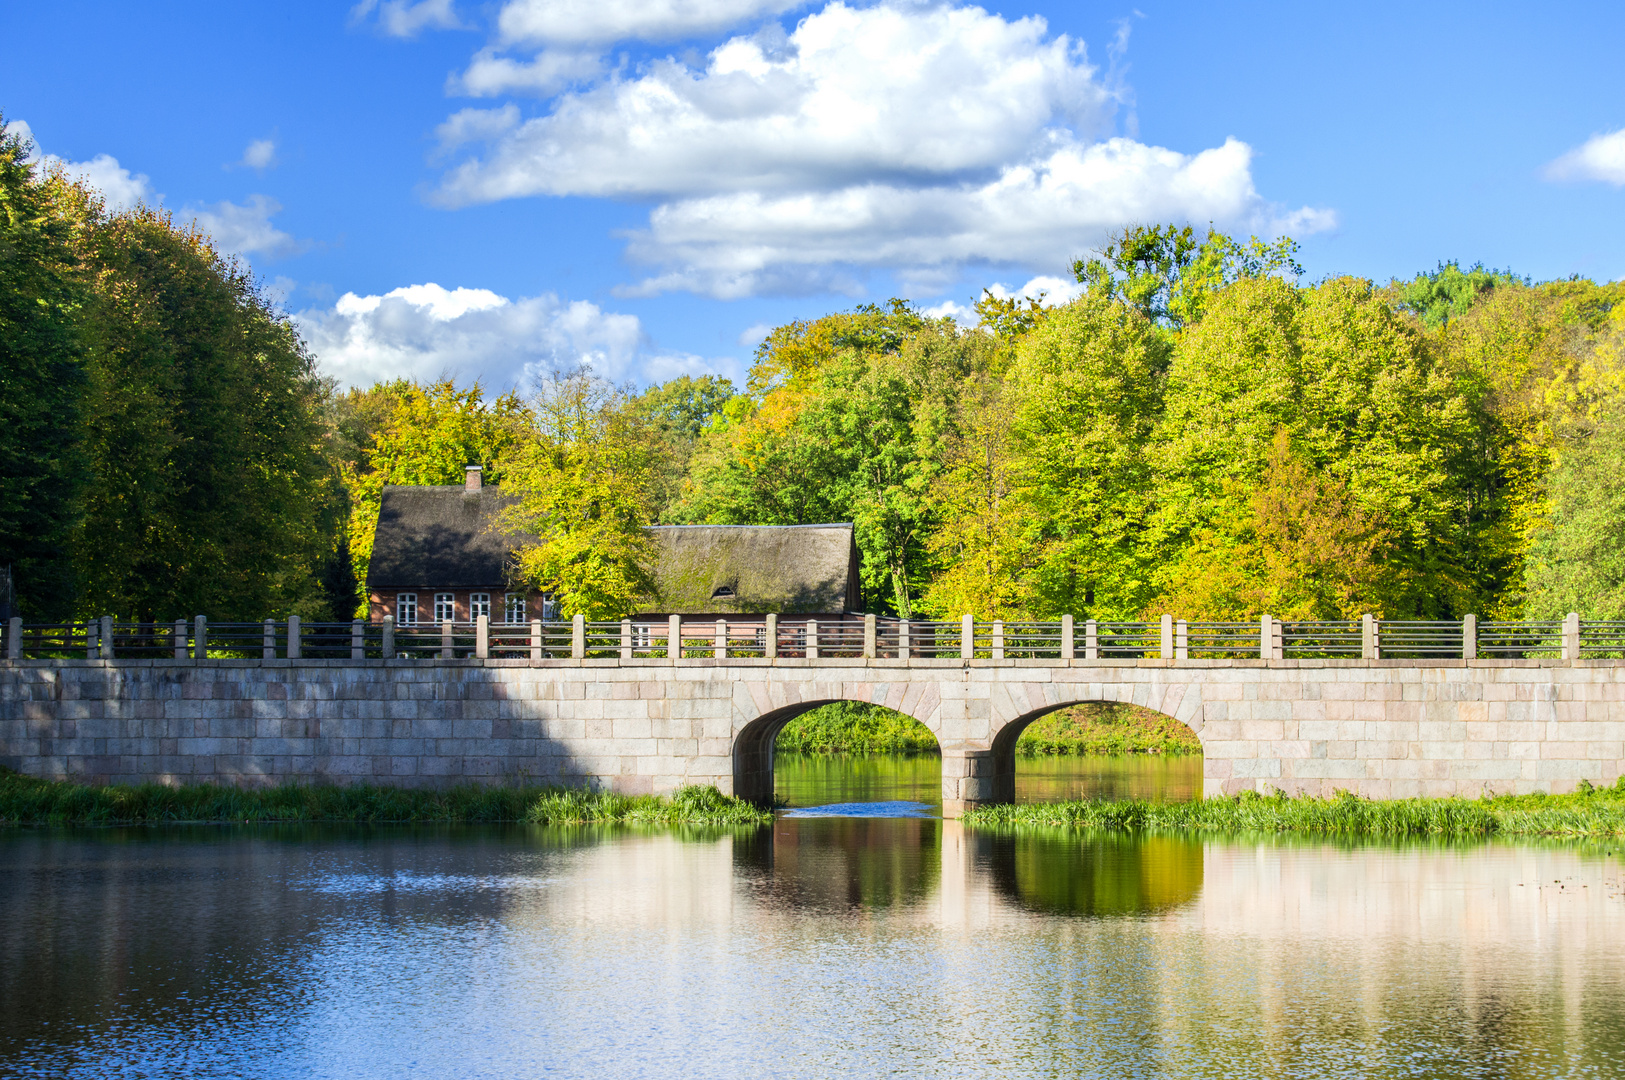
25 800
1590 812
850 727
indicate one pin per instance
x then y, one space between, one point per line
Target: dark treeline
1199 432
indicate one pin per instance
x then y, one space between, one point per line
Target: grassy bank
1107 729
28 801
852 728
1595 812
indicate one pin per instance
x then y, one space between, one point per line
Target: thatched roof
704 569
444 537
439 537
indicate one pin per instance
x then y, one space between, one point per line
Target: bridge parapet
827 640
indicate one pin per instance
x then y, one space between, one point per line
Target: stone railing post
770 639
1182 640
295 646
967 638
869 637
448 640
1571 636
482 637
1469 637
812 639
91 627
180 639
268 640
1167 637
358 640
674 639
1266 638
1277 639
720 647
535 641
626 639
106 637
1069 644
1368 637
578 638
902 639
200 638
1091 640
388 649
998 639
14 639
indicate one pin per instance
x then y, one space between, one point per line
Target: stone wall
1381 728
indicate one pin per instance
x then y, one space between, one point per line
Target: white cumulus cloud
1038 215
403 18
1601 157
918 139
601 22
426 331
874 94
543 75
246 229
260 155
1048 290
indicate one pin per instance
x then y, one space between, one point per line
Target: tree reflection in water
1061 873
832 865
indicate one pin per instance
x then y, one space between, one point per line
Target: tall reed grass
25 800
1594 812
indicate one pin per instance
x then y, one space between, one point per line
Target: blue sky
487 190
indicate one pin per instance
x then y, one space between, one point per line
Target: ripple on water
894 809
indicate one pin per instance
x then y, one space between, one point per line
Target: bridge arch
754 744
1181 704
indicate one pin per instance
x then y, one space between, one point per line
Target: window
479 604
550 607
406 609
513 608
445 608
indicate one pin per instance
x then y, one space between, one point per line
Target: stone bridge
1385 728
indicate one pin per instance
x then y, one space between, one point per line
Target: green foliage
42 379
1597 812
1450 292
1577 557
1107 729
851 727
583 478
1163 272
25 800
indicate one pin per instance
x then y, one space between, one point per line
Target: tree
1302 548
583 481
1577 555
1364 404
203 431
42 380
1450 292
1086 395
1166 274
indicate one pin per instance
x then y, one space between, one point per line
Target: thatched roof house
437 554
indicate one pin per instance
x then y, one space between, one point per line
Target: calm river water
818 947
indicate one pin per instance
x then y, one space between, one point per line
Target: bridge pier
968 780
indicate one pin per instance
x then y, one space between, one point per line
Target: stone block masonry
1383 728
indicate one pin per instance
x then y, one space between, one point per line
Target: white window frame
406 609
445 607
479 603
514 609
550 607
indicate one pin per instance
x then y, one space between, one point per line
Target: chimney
471 479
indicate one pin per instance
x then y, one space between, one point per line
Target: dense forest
1201 432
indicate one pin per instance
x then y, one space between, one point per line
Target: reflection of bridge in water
1383 709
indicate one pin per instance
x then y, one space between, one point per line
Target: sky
491 191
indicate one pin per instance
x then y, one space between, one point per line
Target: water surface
815 947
